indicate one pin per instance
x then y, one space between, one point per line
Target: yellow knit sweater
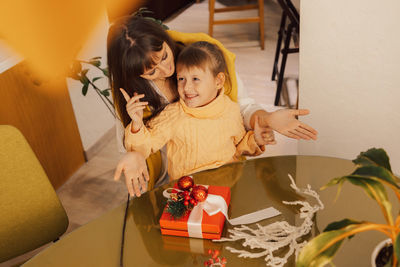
197 138
230 89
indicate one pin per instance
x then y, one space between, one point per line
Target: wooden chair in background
286 32
258 19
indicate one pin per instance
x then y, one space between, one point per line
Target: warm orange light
50 33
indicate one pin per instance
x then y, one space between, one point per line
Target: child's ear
220 80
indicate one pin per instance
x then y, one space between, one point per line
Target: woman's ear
220 80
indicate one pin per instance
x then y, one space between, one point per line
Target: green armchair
31 214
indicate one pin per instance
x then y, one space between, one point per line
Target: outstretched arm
285 122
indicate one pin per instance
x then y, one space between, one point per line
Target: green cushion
31 214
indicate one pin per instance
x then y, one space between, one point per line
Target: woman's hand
263 135
133 164
135 109
284 121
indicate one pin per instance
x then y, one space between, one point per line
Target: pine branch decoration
176 208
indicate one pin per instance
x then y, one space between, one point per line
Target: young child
204 129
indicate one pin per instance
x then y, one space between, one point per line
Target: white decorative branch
277 235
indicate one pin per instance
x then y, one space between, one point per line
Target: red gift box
211 226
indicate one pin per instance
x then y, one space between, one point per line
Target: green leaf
96 78
85 89
95 63
105 71
376 173
397 246
321 249
313 256
373 188
105 92
95 58
380 195
84 80
340 224
374 185
362 182
373 156
334 181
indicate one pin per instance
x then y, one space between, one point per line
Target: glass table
255 184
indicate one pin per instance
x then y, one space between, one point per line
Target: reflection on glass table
255 184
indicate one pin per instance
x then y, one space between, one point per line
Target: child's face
198 87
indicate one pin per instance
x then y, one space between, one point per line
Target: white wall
93 118
350 76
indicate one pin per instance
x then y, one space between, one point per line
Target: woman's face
164 65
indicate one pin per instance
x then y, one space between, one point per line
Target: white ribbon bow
215 204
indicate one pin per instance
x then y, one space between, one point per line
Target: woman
141 57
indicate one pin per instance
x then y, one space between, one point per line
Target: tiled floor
91 190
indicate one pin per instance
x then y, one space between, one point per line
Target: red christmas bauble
199 193
185 183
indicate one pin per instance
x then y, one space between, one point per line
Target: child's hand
135 109
263 135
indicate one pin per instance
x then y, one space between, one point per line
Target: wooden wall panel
42 111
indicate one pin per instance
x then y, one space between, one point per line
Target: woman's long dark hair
130 43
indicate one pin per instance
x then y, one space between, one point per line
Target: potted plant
373 174
79 73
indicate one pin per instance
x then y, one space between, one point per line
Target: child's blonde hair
202 55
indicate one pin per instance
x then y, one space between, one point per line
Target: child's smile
190 97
